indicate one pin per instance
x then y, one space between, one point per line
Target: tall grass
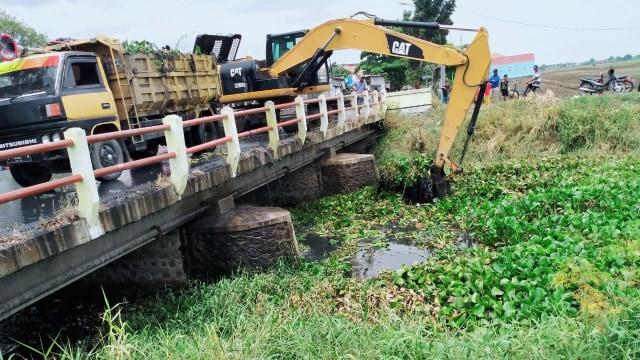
516 130
289 314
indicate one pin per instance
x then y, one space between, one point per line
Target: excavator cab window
278 45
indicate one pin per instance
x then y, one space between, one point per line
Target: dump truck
97 86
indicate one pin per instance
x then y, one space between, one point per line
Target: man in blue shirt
349 81
494 80
360 87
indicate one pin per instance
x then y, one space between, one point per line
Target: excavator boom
472 66
366 35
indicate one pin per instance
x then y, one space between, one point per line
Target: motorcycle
628 82
589 86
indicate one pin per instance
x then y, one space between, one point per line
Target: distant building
514 66
351 68
377 83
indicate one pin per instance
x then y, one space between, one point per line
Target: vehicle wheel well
104 128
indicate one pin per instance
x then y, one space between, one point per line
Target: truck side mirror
47 85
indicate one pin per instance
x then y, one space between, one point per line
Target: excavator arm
472 66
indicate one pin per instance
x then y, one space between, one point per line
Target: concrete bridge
187 225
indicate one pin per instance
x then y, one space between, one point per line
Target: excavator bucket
224 47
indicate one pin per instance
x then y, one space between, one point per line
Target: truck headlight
46 139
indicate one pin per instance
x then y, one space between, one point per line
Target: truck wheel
203 133
105 154
29 174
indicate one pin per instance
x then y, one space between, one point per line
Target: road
32 209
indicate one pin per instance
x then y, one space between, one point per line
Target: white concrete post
87 189
376 105
233 147
302 125
342 114
367 109
324 119
354 105
175 143
384 103
274 134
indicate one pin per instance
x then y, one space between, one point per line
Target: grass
549 197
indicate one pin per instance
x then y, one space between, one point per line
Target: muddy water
371 258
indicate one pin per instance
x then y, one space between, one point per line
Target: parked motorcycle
589 86
628 82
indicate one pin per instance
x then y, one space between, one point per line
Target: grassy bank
549 200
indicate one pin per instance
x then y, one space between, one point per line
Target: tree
392 68
23 34
438 11
339 71
403 71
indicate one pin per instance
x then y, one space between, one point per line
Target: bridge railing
76 142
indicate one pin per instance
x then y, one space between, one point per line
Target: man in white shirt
534 83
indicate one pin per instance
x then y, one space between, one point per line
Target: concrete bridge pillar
154 266
244 237
291 189
347 172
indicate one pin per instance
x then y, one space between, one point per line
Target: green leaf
474 298
496 292
509 308
478 310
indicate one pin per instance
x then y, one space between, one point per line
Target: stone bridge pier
251 235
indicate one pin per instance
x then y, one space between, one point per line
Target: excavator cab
248 75
278 44
306 74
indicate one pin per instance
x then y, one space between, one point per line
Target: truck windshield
25 76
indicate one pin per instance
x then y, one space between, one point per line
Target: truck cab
43 95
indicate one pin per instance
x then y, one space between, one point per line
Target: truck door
85 95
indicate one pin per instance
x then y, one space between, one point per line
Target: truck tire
29 174
201 134
105 154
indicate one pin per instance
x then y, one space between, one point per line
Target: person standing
446 90
360 87
504 87
494 80
349 81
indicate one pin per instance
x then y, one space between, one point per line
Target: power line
550 27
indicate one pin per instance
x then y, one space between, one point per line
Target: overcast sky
548 28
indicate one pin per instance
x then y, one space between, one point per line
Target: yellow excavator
293 61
